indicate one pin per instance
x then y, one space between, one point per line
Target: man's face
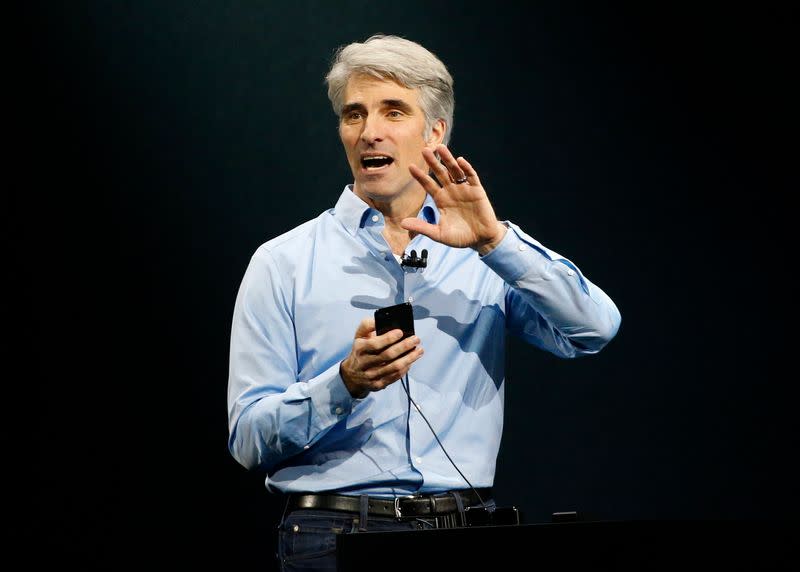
382 128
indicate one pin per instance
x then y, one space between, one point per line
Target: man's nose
373 130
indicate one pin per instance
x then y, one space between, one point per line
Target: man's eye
353 116
395 113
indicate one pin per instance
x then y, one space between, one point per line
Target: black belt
417 505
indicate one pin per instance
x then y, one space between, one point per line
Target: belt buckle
397 513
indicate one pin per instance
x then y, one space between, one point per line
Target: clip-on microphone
412 261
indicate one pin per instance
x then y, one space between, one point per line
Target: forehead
365 89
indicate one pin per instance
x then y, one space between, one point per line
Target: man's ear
437 134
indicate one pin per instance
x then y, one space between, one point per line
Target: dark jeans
307 538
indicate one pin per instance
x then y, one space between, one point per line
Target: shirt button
521 247
411 298
418 460
338 410
571 272
296 528
375 218
307 447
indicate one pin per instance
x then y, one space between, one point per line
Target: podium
603 545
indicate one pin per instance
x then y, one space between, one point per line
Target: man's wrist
351 387
486 247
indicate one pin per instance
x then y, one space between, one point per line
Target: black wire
408 393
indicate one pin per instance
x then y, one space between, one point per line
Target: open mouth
375 162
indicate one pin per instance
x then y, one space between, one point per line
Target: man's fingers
365 328
454 170
379 343
393 371
374 371
469 171
396 350
425 180
436 166
421 227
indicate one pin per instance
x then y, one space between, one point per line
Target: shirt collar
353 212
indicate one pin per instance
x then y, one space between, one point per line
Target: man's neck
405 205
395 209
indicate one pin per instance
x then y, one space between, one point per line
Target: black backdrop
162 142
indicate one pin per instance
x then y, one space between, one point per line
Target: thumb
365 328
432 231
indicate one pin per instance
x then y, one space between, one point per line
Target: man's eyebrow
393 103
353 107
398 104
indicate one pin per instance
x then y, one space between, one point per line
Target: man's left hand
466 217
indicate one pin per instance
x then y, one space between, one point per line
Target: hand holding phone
375 363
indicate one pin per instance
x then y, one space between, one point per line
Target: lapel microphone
412 261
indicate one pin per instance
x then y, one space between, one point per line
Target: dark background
162 142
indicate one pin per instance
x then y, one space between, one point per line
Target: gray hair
401 60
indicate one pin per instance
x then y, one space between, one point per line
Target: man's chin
377 189
384 189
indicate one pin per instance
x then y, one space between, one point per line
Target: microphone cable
405 385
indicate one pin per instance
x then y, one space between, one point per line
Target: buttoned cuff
514 256
332 402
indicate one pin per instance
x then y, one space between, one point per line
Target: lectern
604 545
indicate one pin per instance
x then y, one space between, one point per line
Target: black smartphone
400 316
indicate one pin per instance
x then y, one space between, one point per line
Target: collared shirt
299 304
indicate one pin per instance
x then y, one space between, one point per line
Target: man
313 393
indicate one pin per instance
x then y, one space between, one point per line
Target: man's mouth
375 162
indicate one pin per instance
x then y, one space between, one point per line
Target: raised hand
377 361
466 217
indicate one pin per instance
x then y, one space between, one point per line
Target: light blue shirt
296 313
